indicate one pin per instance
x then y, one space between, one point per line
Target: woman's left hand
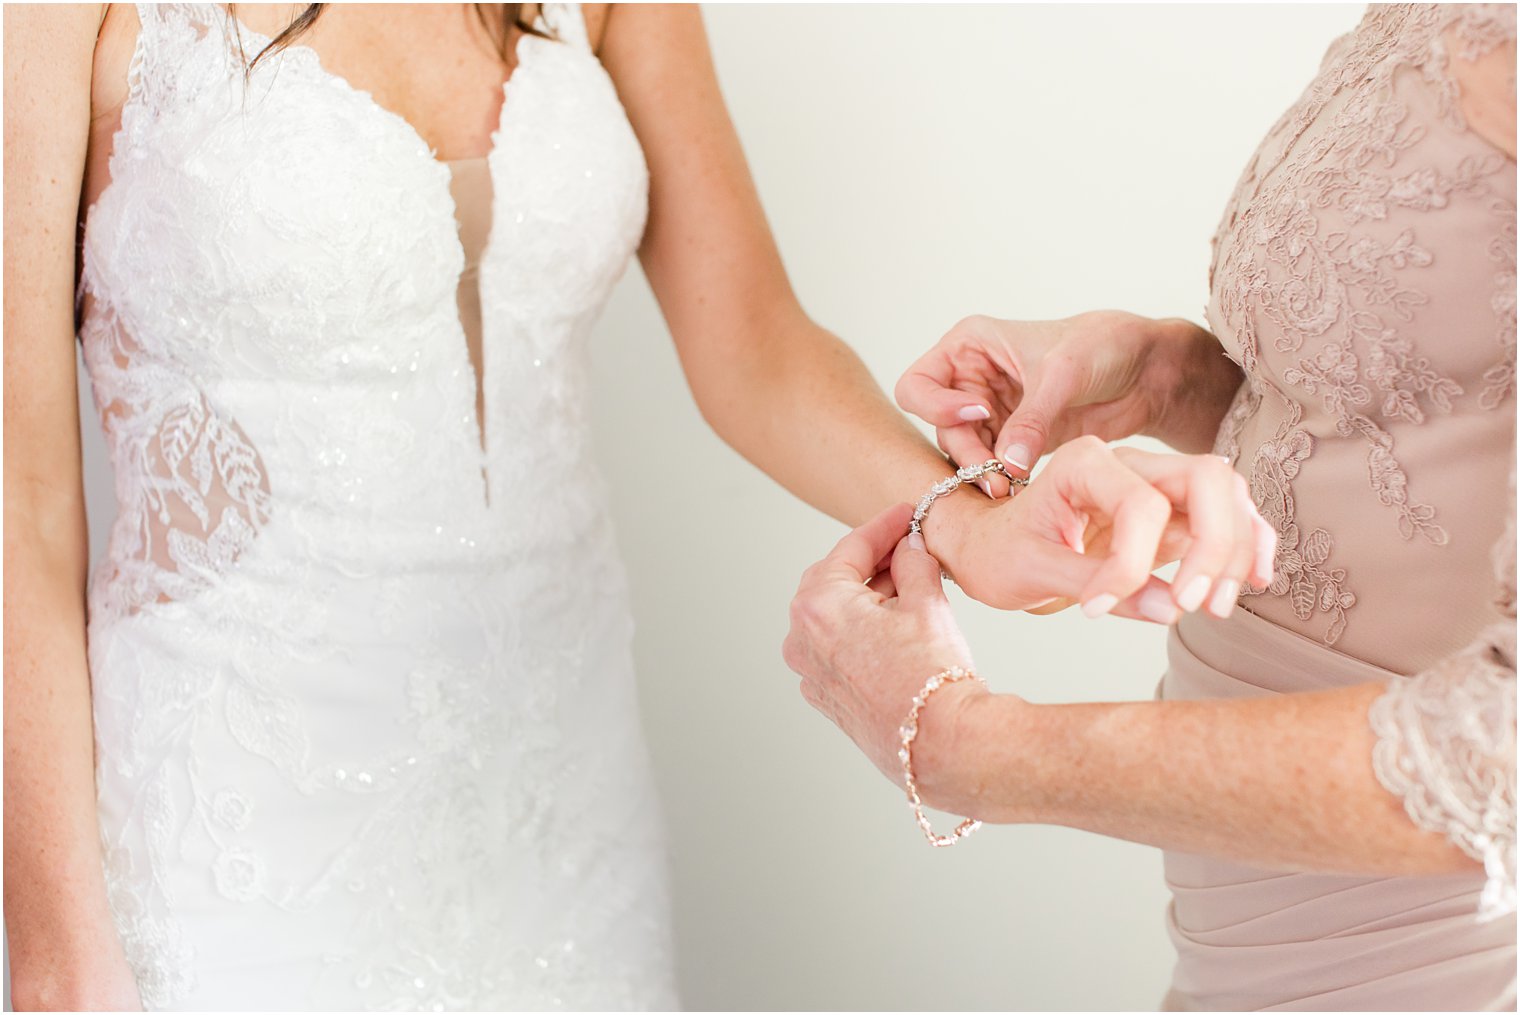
870 624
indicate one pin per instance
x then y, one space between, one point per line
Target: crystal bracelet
965 474
909 733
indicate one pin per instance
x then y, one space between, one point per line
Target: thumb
915 572
1027 432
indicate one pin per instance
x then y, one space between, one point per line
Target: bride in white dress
364 718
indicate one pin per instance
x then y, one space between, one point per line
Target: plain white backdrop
918 164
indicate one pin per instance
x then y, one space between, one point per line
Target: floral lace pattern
1304 257
359 743
1300 571
202 493
1364 273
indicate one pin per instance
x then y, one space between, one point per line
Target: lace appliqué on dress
1341 302
196 490
1446 742
343 703
1446 747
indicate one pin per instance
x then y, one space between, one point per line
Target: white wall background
918 164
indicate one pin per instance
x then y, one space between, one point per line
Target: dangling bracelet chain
909 733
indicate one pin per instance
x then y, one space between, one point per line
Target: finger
855 556
1153 603
1226 591
1028 431
926 391
915 573
1265 537
1089 477
966 445
883 585
1212 508
1225 540
1050 606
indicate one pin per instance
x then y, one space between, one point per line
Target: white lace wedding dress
366 721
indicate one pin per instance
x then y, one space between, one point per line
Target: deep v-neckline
520 50
443 178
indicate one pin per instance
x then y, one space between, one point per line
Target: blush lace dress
367 730
1364 279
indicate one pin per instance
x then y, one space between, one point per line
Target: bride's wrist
946 526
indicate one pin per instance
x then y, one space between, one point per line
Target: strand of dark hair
510 17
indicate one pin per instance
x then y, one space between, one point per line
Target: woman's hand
1095 522
870 624
1014 389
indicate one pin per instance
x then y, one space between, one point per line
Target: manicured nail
915 540
1156 604
1191 597
1266 548
1097 606
986 485
1225 595
972 413
1018 456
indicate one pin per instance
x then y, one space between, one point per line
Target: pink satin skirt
1252 939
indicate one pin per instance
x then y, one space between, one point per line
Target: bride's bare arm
64 950
784 392
788 395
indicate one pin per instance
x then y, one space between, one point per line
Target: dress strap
568 23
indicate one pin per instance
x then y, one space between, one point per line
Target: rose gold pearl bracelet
909 733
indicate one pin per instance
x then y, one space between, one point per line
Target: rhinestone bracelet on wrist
965 474
908 734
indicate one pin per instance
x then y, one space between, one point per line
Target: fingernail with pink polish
973 413
1156 604
1018 456
915 540
1098 605
1224 598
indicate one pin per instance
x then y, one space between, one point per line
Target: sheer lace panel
192 489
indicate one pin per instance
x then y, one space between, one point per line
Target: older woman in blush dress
1331 769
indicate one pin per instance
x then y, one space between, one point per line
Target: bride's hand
870 625
1095 523
1013 390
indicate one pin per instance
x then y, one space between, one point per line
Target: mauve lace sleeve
1446 741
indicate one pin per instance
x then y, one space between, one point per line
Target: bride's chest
291 199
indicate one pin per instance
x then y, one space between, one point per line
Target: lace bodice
360 742
1364 278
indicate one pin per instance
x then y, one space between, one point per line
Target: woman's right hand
1096 522
1013 390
